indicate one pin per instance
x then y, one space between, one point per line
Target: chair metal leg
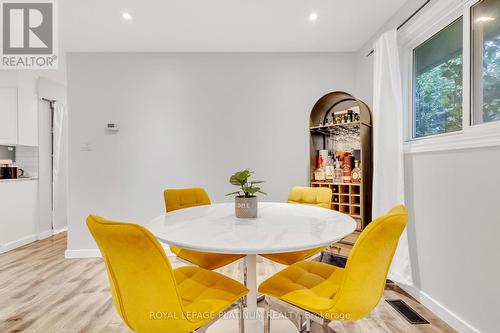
321 327
201 330
267 316
304 324
241 316
244 273
245 279
308 325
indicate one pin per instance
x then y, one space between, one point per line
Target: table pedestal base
251 315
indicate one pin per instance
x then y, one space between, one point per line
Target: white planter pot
245 208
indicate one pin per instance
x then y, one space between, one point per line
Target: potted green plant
246 199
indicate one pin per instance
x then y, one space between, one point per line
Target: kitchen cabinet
18 213
8 116
27 118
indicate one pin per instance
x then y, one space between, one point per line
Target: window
437 82
485 46
451 76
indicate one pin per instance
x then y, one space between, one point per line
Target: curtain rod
406 21
50 101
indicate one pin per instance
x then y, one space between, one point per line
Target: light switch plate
86 146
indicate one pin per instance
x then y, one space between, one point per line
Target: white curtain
60 167
388 168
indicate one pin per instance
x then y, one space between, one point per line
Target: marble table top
279 227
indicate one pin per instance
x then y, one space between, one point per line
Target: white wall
187 120
453 202
454 220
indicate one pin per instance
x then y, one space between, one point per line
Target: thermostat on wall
112 127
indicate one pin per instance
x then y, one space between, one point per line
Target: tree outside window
438 77
485 17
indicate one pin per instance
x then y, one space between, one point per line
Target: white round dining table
278 228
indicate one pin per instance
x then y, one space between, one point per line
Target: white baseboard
95 253
87 253
44 234
48 233
29 239
440 310
17 243
58 231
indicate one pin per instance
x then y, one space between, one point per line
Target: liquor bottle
350 116
357 117
356 173
329 168
347 168
337 173
319 173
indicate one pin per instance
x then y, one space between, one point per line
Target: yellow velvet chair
148 294
342 294
315 196
190 197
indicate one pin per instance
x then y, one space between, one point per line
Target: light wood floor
41 291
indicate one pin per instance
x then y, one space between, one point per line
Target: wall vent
406 311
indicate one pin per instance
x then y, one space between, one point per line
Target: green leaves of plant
240 179
251 190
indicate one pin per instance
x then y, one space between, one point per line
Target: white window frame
429 22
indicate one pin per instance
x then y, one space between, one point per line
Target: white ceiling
221 25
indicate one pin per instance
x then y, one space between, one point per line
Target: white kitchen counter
17 180
18 213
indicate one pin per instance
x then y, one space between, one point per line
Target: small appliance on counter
9 171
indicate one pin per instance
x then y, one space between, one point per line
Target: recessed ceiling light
127 16
313 17
485 19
